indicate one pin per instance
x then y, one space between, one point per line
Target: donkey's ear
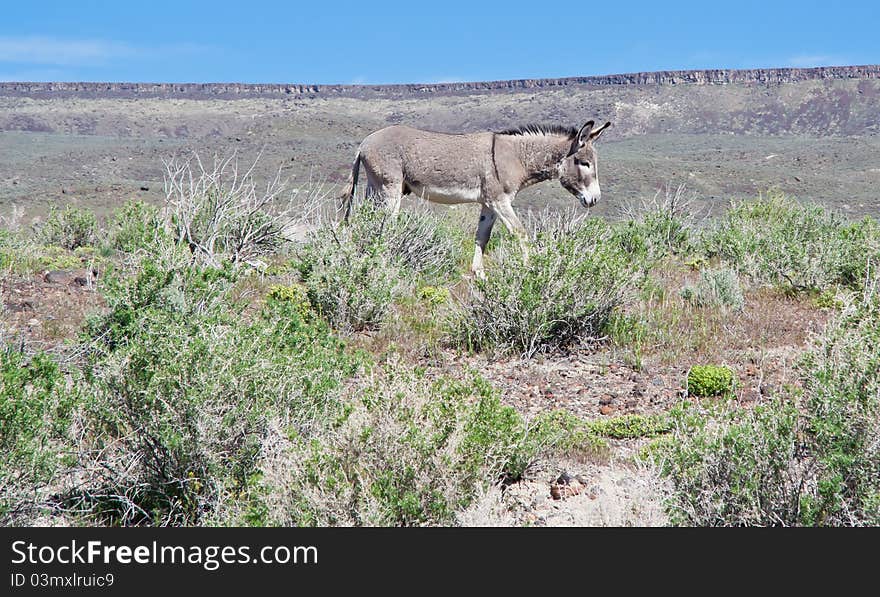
595 133
584 133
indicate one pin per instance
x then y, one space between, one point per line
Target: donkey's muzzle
588 200
590 195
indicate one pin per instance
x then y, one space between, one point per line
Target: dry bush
222 215
354 272
13 222
575 277
777 241
667 221
407 452
716 288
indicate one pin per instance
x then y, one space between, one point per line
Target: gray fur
486 168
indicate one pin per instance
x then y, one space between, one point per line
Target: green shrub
710 380
15 253
630 426
666 234
434 296
69 228
566 292
841 378
183 388
296 295
731 466
665 222
354 290
36 413
22 255
54 257
809 458
778 241
355 272
136 225
407 452
716 288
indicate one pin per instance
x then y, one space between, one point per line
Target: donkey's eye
582 163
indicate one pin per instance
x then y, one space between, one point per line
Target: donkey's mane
541 129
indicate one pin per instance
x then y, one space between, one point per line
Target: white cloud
362 80
444 80
59 52
808 60
37 75
52 51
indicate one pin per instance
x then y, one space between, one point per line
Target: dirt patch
584 382
613 495
46 309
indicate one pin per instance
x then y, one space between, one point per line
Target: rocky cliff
771 76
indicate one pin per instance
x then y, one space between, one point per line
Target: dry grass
679 331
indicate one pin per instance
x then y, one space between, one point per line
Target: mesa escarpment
768 76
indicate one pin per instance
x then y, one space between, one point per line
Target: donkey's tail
348 196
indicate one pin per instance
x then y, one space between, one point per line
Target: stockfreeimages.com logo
209 557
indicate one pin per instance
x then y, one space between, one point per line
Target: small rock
632 403
57 277
606 410
606 399
33 322
567 485
25 305
658 382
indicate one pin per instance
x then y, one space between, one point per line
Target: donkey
486 168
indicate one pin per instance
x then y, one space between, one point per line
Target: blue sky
420 41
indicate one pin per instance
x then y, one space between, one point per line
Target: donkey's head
578 171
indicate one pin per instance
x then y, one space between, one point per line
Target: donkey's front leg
504 209
484 231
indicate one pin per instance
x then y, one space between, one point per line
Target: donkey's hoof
477 274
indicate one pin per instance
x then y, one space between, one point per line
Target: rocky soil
46 310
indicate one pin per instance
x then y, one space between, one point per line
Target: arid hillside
812 133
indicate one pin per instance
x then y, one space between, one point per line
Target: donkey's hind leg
392 192
382 191
373 192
